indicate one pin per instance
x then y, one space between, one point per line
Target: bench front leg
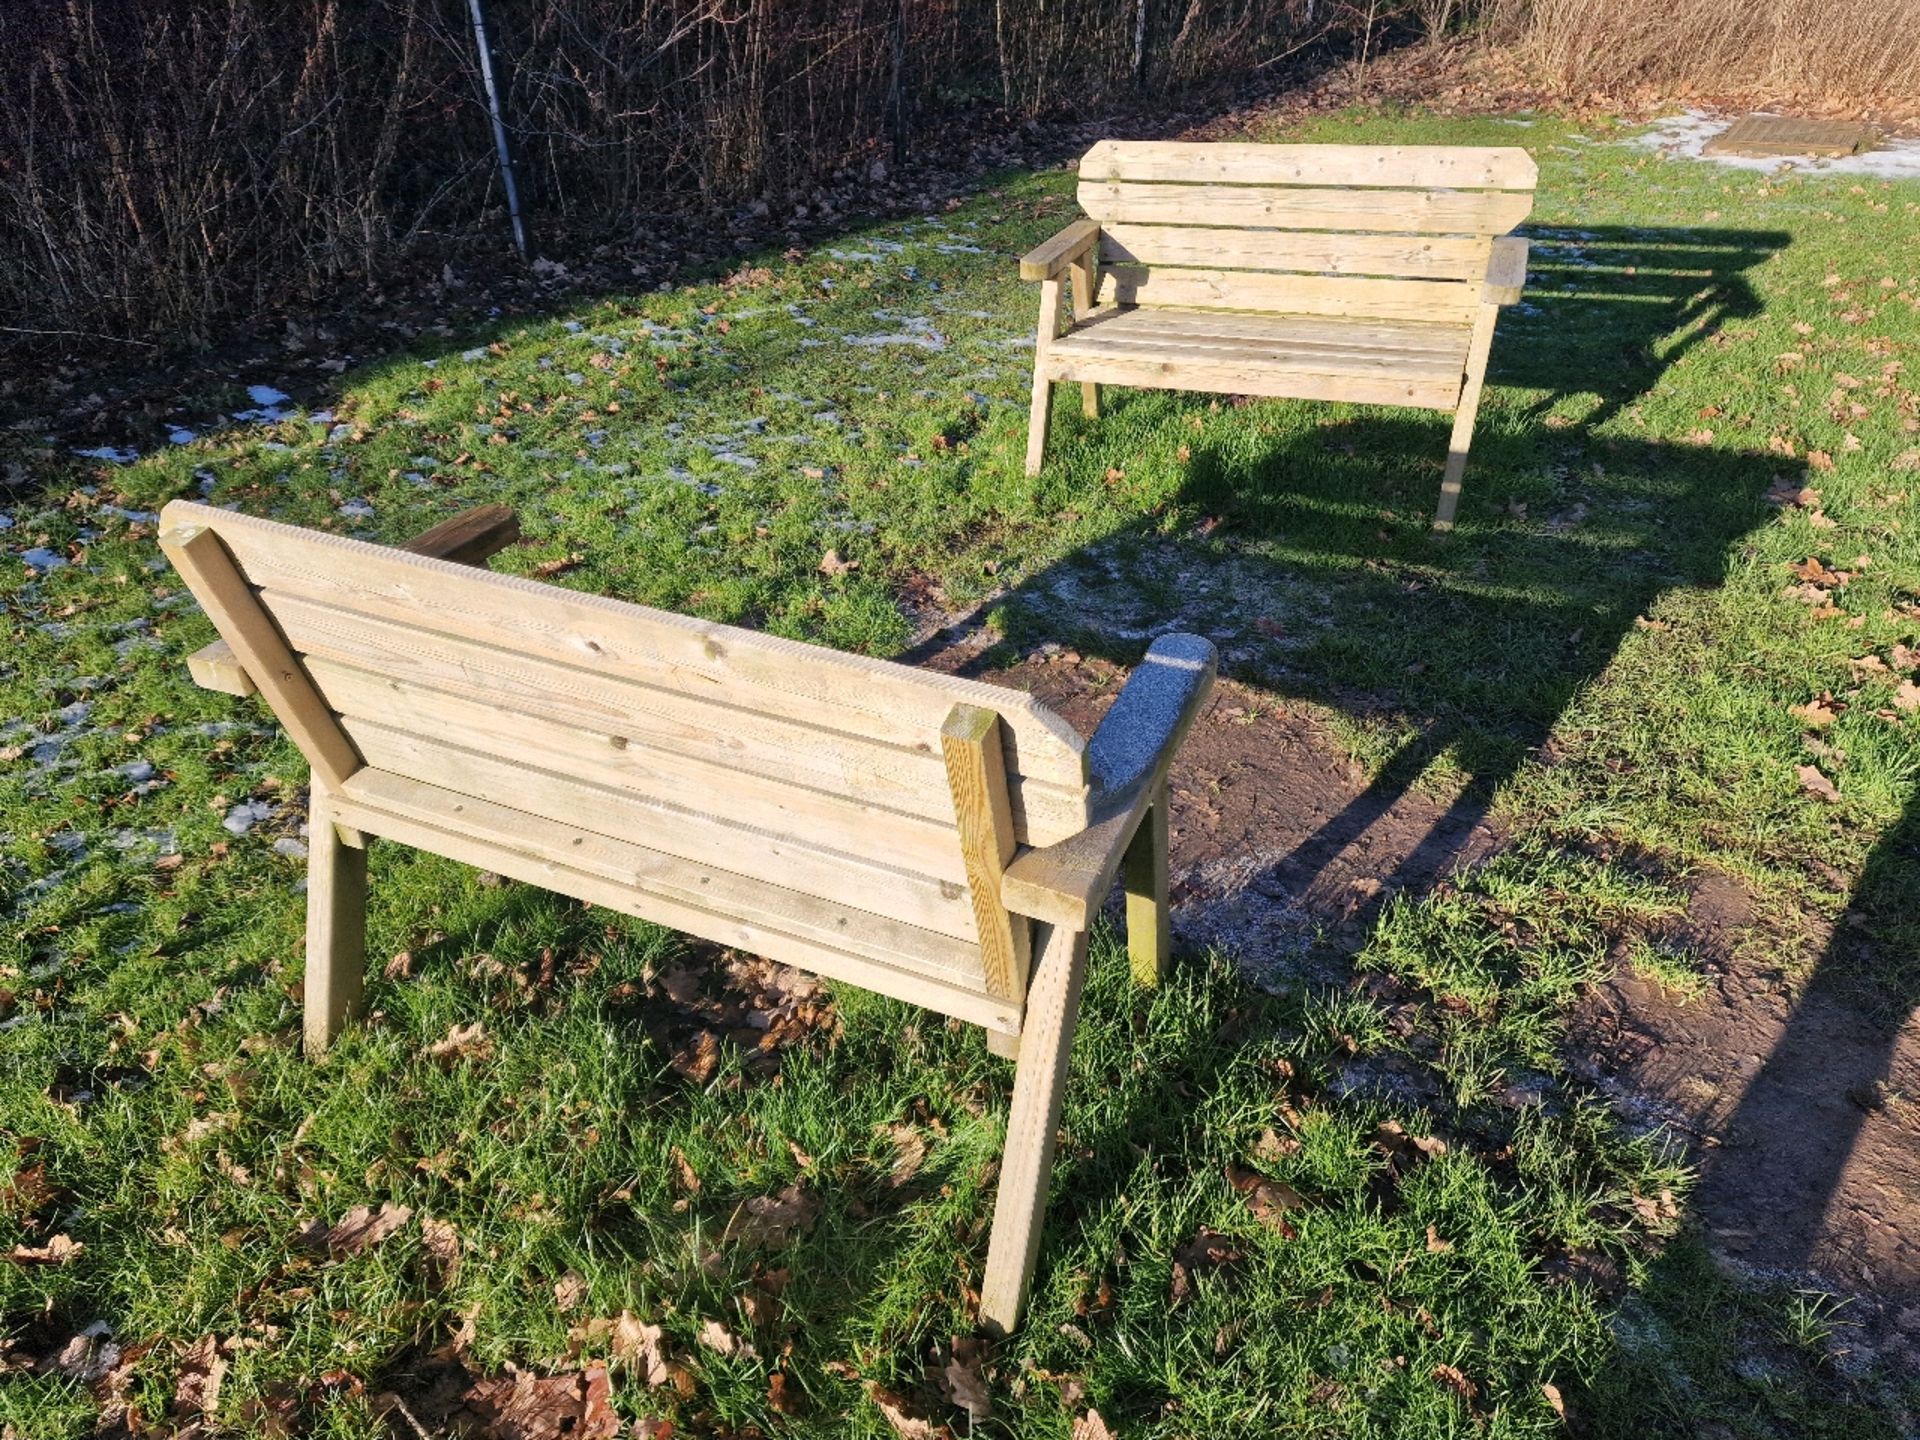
1042 411
1086 284
336 924
1144 874
1464 415
1026 1165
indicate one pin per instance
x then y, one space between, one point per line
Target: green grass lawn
1606 652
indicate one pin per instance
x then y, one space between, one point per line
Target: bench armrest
1130 754
469 538
1506 270
1047 259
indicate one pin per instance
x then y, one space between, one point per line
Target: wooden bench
1364 273
940 840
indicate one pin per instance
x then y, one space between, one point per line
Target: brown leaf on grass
894 1408
196 1392
770 1221
1905 461
1819 460
1814 572
909 1151
1866 667
698 1056
57 1251
1208 1250
718 1338
399 967
1272 1146
1404 1150
1091 1427
1815 783
355 1231
963 1384
1819 712
521 1405
442 1244
569 1290
1451 1377
463 1043
1551 1392
547 569
832 564
683 1170
28 1192
1435 1245
1792 495
1907 696
642 1348
1269 1199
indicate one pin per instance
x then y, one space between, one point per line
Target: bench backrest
783 797
1372 232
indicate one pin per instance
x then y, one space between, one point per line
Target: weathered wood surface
863 820
1323 243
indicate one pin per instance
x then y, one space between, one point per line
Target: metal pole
499 126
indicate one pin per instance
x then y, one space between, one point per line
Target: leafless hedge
167 166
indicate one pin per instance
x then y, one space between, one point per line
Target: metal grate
1784 135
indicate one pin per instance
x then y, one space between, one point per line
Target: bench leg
1090 399
1006 1046
1149 923
1053 1009
336 925
1464 416
1037 420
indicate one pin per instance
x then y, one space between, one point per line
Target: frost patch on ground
1686 135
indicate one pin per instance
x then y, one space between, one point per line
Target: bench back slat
747 759
1380 232
1406 167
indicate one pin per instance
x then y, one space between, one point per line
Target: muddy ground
1798 1102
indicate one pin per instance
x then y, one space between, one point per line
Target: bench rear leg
1026 1166
1464 416
1042 411
1085 280
336 925
1149 923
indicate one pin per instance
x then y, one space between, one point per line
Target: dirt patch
1800 1106
1282 851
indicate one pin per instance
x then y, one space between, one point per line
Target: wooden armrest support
469 538
1131 752
1507 270
1046 260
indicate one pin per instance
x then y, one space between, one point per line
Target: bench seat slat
924 971
1419 212
1227 378
1428 257
1139 332
1467 167
896 892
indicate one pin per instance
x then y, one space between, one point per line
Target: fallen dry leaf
893 1407
1269 1199
57 1251
196 1391
1209 1249
356 1230
698 1056
963 1384
1819 712
1819 460
524 1406
832 564
643 1347
909 1151
771 1221
1815 783
1454 1380
463 1043
716 1337
442 1244
569 1290
1907 696
1435 1245
1091 1427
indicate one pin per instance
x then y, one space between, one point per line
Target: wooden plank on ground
1759 134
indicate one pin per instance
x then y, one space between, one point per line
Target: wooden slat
906 777
198 553
611 760
977 775
900 893
1422 212
1416 166
1140 341
469 538
1246 379
1428 257
755 671
506 854
1507 270
754 900
1340 295
1342 335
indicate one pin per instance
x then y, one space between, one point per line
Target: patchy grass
1605 651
